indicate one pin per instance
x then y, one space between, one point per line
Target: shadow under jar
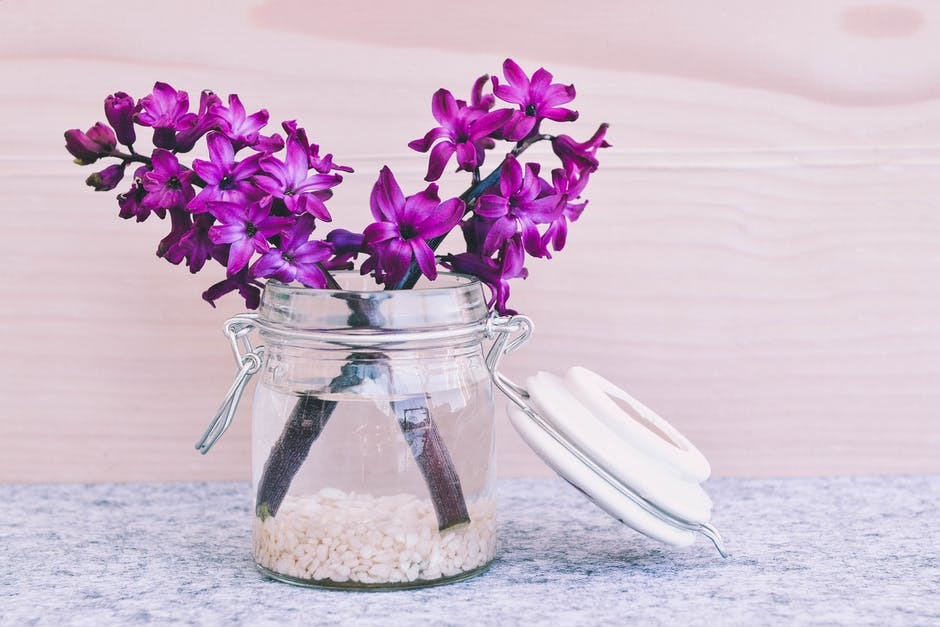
373 435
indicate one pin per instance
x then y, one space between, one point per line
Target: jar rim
453 302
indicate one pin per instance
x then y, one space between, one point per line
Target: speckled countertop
822 551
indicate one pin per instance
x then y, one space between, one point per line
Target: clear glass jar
373 435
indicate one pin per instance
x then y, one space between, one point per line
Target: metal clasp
511 333
249 360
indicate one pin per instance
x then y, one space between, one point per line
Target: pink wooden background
760 261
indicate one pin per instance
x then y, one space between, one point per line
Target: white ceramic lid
635 466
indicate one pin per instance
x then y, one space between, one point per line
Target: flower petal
379 232
387 199
438 159
444 218
220 150
510 179
491 206
425 257
444 108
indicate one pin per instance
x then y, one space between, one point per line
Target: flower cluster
254 205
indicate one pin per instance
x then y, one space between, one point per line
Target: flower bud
102 135
119 109
106 179
81 147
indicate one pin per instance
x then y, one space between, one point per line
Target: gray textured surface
826 551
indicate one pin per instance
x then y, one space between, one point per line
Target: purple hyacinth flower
402 227
465 130
106 179
346 247
87 147
518 208
249 289
166 110
247 229
296 258
578 158
205 121
570 187
168 184
119 109
291 181
225 179
324 164
241 128
195 244
494 273
180 222
269 144
537 98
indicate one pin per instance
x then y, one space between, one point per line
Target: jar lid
633 465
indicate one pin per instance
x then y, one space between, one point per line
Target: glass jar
373 435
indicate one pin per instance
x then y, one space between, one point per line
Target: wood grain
759 260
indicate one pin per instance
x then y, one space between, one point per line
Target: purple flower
537 99
203 122
291 181
518 207
180 222
247 229
324 164
131 201
557 233
464 129
225 179
296 257
87 147
494 273
346 247
403 225
269 144
578 158
195 244
106 179
168 184
167 111
241 128
119 109
249 289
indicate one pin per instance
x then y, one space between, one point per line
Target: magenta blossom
203 122
119 109
106 179
518 208
403 226
180 221
87 147
464 129
225 179
578 158
247 229
296 257
537 98
169 184
249 288
167 111
570 188
494 273
195 244
346 247
291 181
241 128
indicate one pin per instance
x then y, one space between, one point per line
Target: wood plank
759 260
